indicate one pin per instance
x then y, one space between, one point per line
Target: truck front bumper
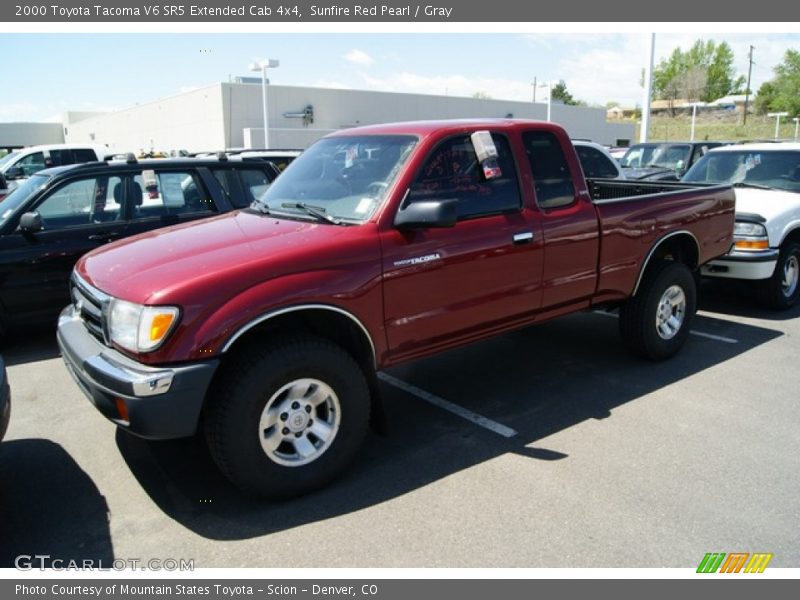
151 402
743 265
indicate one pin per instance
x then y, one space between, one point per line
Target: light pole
263 65
777 116
694 116
549 86
796 124
648 91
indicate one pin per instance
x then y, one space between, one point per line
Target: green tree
782 92
678 75
559 93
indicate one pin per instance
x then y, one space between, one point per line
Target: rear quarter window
552 179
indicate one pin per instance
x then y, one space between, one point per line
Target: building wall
217 117
192 121
336 109
19 135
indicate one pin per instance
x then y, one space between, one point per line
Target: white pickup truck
766 246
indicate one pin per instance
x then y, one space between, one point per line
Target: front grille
89 303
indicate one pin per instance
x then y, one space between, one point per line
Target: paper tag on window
350 156
364 206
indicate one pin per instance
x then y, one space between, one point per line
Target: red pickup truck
267 327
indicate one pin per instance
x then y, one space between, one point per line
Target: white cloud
599 75
359 57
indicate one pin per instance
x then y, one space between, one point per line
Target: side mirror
427 213
14 173
31 222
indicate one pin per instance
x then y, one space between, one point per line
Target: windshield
774 169
7 159
346 178
665 156
28 187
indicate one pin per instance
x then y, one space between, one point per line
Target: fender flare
299 308
655 246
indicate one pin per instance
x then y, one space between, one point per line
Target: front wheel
782 290
286 418
655 322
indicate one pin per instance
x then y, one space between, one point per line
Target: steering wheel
376 188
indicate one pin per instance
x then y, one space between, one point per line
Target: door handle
523 238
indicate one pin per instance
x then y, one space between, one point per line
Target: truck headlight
749 236
139 328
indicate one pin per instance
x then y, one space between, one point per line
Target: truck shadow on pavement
538 381
738 298
49 506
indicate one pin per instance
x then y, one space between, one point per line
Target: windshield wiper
752 185
314 211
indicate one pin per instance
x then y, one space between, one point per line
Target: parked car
5 400
377 245
280 158
617 152
596 161
20 164
666 161
58 214
766 247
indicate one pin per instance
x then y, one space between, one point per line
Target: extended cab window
453 171
83 155
82 202
61 157
552 179
168 193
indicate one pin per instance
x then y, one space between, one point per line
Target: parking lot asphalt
547 447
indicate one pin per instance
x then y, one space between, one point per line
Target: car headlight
750 236
139 328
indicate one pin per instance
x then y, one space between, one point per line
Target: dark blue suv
59 214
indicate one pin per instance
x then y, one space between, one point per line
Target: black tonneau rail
615 189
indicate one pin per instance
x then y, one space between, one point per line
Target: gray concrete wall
192 121
18 135
217 117
336 109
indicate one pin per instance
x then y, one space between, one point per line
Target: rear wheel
655 322
287 418
782 290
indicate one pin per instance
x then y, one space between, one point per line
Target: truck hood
153 267
770 204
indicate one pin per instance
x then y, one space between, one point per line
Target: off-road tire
782 290
253 377
640 323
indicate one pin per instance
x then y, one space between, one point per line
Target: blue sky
54 72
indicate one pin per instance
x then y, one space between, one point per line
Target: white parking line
710 336
462 412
